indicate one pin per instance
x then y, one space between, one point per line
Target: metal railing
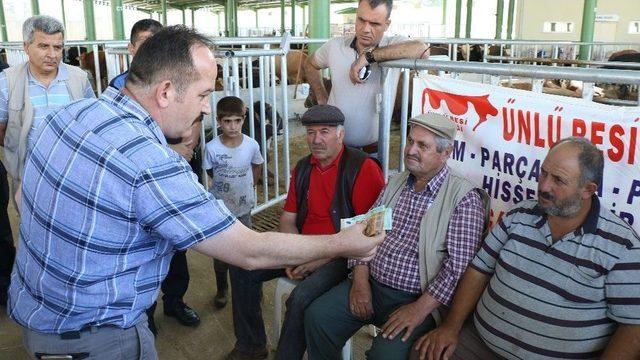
237 55
537 73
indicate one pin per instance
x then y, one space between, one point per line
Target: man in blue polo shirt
556 278
106 203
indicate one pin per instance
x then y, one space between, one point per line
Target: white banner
504 135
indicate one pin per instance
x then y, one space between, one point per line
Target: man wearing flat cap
438 220
333 182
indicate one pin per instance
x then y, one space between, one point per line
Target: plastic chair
284 286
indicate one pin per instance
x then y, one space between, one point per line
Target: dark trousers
329 323
246 287
7 249
175 285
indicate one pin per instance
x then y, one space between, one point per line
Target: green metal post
64 15
35 7
89 20
164 12
193 18
117 22
458 15
318 21
469 16
184 18
231 13
444 13
293 17
282 17
3 22
588 23
510 19
256 11
305 19
499 10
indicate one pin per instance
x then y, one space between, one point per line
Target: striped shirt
396 261
43 99
549 300
105 205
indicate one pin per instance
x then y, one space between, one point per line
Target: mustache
547 196
318 147
414 157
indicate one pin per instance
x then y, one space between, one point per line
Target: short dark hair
230 106
150 25
375 3
167 55
591 159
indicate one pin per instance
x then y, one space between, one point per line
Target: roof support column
293 17
164 12
458 15
64 15
282 27
231 18
118 22
510 18
3 22
318 21
499 10
184 17
35 7
469 16
89 20
588 24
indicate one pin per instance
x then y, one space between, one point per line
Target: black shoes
237 354
184 314
220 300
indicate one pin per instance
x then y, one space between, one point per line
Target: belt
74 335
371 148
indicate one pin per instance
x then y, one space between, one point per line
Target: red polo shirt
369 182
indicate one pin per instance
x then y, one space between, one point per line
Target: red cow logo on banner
459 104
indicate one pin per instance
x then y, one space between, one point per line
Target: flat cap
436 123
323 115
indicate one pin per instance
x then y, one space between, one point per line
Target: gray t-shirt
232 173
357 102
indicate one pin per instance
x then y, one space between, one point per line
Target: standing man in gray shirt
355 76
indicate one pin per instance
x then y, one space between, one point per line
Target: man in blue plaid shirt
106 203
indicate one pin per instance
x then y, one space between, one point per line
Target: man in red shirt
335 182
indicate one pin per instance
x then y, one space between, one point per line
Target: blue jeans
329 323
246 298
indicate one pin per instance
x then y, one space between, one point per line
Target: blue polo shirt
105 204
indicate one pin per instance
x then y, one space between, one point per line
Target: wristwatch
369 56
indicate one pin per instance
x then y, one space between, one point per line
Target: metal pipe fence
241 58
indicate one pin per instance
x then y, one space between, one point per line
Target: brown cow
87 63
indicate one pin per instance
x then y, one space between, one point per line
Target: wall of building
612 24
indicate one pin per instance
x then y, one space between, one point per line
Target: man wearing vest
32 90
437 225
28 92
331 183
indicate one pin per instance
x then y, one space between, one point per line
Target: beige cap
436 123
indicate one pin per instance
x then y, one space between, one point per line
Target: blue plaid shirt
105 204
